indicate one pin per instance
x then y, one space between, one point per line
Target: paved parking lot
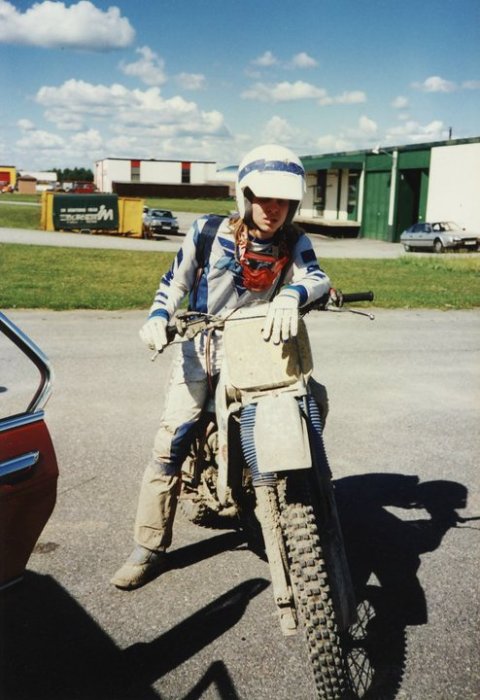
403 444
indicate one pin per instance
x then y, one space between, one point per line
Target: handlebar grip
171 333
357 296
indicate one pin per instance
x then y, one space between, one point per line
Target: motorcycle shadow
383 551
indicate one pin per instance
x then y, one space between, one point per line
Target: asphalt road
403 429
324 246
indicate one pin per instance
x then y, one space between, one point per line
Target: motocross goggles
260 271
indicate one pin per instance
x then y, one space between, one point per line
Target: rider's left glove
281 322
154 333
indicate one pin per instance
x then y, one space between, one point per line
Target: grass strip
19 216
75 278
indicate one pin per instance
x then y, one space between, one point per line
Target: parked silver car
157 222
439 236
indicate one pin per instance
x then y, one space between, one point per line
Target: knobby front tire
311 587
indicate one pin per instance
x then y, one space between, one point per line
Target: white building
454 187
165 172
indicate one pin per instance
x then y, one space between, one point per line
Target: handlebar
335 299
188 324
357 296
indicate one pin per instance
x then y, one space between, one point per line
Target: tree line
74 174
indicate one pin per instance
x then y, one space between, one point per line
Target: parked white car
439 236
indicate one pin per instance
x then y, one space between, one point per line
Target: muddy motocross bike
259 454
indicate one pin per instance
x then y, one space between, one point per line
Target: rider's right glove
281 322
154 333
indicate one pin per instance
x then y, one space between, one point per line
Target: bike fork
268 515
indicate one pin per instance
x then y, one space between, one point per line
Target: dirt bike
259 451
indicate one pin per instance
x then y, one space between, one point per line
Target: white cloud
412 131
363 131
121 110
367 126
435 84
350 97
123 146
39 140
279 130
329 143
51 24
303 60
299 60
300 90
77 98
284 92
25 125
400 102
266 60
191 81
149 68
87 140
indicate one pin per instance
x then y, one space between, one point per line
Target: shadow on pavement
184 557
52 649
379 542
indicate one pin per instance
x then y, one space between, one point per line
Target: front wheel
197 511
311 587
438 246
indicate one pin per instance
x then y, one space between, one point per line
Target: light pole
393 188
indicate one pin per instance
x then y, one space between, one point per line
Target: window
353 179
135 171
186 173
320 189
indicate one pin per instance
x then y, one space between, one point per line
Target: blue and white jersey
221 286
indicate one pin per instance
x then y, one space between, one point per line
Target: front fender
281 435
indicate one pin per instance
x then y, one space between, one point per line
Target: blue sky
210 79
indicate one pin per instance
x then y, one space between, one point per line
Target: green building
379 193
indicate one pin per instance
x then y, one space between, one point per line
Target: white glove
154 333
281 322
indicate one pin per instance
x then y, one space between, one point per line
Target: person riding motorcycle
256 255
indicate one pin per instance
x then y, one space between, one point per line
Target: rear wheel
309 579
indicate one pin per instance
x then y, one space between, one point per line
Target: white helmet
269 171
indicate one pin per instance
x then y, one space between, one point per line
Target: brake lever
360 313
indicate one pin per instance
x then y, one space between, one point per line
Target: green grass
19 216
15 197
195 206
432 282
66 278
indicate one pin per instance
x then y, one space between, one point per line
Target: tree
74 174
